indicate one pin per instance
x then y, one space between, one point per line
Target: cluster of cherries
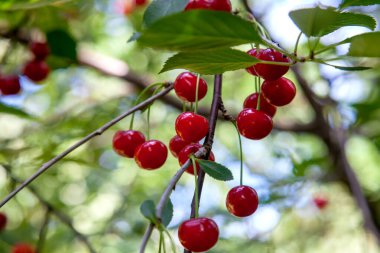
19 247
36 70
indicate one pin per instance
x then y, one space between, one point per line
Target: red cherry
242 201
321 202
265 106
22 248
191 127
185 153
176 144
40 50
254 124
140 2
266 71
36 70
151 155
3 221
199 234
10 85
125 143
185 87
217 5
279 92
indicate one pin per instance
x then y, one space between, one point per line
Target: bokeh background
101 192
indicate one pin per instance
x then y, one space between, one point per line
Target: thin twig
43 231
97 132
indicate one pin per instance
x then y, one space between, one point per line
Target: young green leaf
148 209
15 111
348 3
365 45
167 215
215 170
62 44
317 22
199 30
210 62
161 8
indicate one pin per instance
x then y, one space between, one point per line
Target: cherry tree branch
97 132
54 211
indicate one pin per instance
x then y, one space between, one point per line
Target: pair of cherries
36 70
149 155
256 123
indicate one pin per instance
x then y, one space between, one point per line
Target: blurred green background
102 192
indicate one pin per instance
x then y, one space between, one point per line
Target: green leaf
62 44
317 22
199 30
13 110
161 8
353 68
29 4
365 45
215 170
210 62
348 3
148 209
167 214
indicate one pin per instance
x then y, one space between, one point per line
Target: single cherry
279 92
3 221
267 71
40 50
217 5
242 201
151 155
185 87
125 143
254 124
191 127
176 144
10 85
265 106
185 153
23 248
36 70
321 202
198 234
141 2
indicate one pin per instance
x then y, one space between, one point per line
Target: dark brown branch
97 132
54 211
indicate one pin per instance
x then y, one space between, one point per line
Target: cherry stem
196 93
240 153
163 242
160 243
148 113
183 106
258 89
196 186
138 100
297 43
174 248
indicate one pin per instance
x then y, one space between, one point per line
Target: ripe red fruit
265 106
217 5
191 127
321 202
22 248
3 221
176 144
242 201
266 71
185 87
199 234
254 124
185 153
40 50
10 85
140 2
151 155
125 143
279 92
36 70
